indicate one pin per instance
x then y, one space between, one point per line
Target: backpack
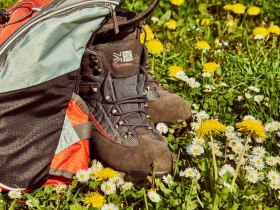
43 123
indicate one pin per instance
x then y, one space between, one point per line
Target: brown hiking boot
163 105
112 84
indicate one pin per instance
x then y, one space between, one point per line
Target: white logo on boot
124 56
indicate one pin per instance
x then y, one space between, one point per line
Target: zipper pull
115 20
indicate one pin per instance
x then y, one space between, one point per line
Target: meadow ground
223 58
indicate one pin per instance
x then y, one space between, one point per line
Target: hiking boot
112 83
163 105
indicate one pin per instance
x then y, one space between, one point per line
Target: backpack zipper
26 27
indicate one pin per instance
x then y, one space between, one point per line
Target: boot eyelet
120 123
150 128
146 105
125 136
114 111
116 126
94 87
148 116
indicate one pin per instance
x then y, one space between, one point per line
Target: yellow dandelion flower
210 67
105 174
210 127
149 34
94 199
228 7
171 24
238 8
173 70
254 10
202 45
252 127
177 2
274 29
154 46
260 32
205 22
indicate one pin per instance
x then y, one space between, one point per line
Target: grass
246 84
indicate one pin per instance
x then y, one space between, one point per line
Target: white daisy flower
257 162
274 186
236 147
253 88
198 141
117 181
162 128
195 149
96 166
250 169
258 98
168 179
127 185
202 115
206 74
271 127
246 117
252 177
229 128
225 43
219 153
271 161
190 80
109 206
154 197
273 177
226 169
108 188
248 95
259 36
259 151
154 19
195 126
30 202
240 98
261 176
259 140
230 135
60 188
185 78
218 50
15 194
188 172
195 85
180 74
277 124
83 175
197 174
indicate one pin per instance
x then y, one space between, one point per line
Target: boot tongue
121 58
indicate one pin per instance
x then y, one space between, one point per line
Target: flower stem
239 163
214 159
152 70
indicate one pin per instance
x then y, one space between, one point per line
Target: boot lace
6 13
116 103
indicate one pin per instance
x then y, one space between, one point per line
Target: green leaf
76 207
